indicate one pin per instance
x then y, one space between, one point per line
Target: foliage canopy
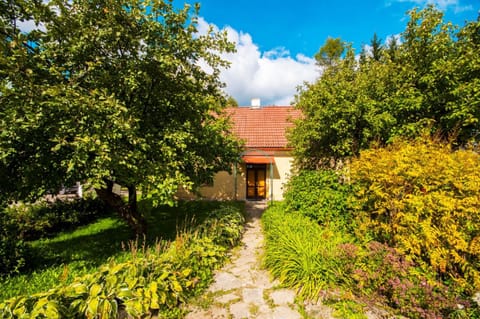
428 80
109 91
321 196
330 52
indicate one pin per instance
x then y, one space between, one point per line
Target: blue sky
276 40
302 26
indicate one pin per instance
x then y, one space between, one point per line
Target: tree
392 48
110 92
429 83
462 99
342 113
330 52
427 76
231 101
377 48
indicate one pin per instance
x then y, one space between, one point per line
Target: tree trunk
127 211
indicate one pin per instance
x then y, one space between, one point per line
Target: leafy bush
13 252
43 219
20 223
422 198
382 274
71 254
327 262
321 196
224 225
155 282
314 258
301 254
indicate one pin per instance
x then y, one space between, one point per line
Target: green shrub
328 262
382 274
154 282
70 254
43 219
13 251
416 212
224 225
301 254
321 196
422 198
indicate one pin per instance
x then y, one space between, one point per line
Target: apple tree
110 91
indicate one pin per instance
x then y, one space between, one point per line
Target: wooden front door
256 181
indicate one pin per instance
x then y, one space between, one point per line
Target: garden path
242 289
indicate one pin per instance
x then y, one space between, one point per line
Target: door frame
256 168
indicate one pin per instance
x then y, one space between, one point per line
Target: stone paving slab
242 289
253 295
284 312
283 297
225 281
240 310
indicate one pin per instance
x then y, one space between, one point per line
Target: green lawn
75 253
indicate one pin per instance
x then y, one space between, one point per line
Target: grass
300 253
75 253
306 257
68 255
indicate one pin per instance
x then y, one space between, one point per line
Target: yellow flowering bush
423 198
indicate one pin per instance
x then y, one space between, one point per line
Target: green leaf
95 290
186 272
51 310
92 306
176 286
79 288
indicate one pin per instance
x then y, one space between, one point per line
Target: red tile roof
263 127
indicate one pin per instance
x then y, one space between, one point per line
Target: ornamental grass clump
301 254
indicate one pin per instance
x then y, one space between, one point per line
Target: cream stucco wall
281 173
224 183
223 187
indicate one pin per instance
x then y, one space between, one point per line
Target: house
266 162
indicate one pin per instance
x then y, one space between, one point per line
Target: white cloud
272 76
30 25
460 9
397 37
441 4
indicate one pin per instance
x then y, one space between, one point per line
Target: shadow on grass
58 260
92 245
